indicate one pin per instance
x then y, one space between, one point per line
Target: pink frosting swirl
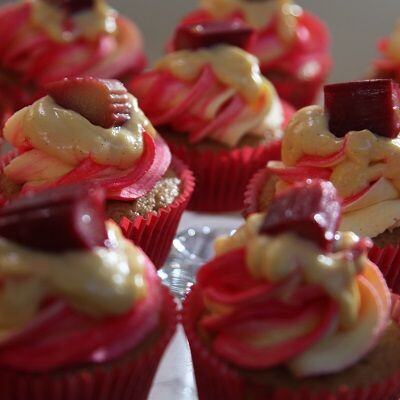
30 55
60 336
305 60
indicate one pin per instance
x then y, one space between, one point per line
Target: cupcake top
45 40
86 129
288 290
259 14
211 88
352 142
286 38
70 279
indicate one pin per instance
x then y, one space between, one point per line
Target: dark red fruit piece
372 104
62 219
311 209
104 102
72 6
207 34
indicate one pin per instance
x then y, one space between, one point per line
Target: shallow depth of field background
355 26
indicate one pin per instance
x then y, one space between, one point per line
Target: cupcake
89 129
216 111
388 65
354 143
291 44
292 309
84 315
46 40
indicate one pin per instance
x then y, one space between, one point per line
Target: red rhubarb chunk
72 6
104 102
62 219
311 209
371 104
207 34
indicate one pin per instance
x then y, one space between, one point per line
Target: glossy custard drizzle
232 66
99 19
367 157
104 282
71 138
259 14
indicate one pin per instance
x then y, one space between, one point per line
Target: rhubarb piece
62 219
104 102
359 105
311 210
207 34
72 6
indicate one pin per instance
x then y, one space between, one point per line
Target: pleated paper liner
222 175
128 378
253 192
388 260
155 231
217 380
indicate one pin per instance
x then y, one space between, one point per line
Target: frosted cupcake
83 312
44 40
353 142
291 44
215 110
89 129
290 308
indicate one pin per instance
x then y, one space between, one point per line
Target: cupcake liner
127 378
253 191
155 231
218 380
388 260
222 175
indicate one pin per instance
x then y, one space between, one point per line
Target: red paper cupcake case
253 191
222 176
155 231
217 380
388 261
128 378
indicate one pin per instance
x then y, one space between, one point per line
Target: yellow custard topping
232 66
101 282
368 156
258 14
99 19
275 258
71 138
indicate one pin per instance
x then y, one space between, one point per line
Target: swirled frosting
279 301
217 92
41 42
59 140
100 302
287 39
259 14
363 167
97 20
